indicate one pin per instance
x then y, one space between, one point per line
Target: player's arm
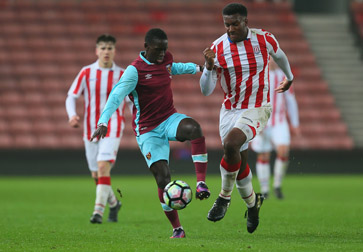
293 112
74 92
281 60
208 80
73 118
185 68
125 86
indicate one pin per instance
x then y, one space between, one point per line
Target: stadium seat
47 43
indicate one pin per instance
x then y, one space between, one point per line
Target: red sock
200 157
245 173
104 181
171 215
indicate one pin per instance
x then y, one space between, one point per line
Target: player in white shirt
239 58
276 135
95 82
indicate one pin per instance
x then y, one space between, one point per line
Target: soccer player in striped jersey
147 81
276 135
240 59
95 82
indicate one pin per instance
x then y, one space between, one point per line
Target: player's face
105 52
155 51
236 26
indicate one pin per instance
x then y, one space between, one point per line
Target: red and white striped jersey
282 103
96 83
243 68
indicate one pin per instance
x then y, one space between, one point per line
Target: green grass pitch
319 213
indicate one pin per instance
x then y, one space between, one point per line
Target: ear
246 21
145 45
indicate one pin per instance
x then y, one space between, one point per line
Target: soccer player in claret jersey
240 59
155 120
95 82
276 135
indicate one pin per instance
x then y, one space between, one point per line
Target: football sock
200 157
245 188
111 200
263 175
170 213
102 191
279 170
228 175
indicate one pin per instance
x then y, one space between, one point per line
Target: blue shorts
154 144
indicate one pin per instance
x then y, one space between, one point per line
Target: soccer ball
177 194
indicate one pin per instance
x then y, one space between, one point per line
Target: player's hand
209 56
74 121
296 131
100 132
284 85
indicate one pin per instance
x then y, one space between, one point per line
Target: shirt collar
248 36
144 59
104 68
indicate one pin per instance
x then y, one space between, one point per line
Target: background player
276 135
95 82
240 58
155 120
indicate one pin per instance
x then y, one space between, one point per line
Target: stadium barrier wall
131 162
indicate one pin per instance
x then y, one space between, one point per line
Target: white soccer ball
177 194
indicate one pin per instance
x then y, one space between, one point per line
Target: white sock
279 171
245 189
102 192
111 200
228 180
263 175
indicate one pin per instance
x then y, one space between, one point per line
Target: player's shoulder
222 38
118 68
255 31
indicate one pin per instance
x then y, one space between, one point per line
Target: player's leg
182 128
253 200
263 172
91 149
154 146
161 173
280 168
229 167
281 139
262 145
107 151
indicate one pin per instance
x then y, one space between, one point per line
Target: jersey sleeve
183 68
292 107
125 86
271 42
78 84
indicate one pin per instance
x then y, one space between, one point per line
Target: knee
104 168
231 146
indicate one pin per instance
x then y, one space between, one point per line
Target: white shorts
271 137
103 150
239 118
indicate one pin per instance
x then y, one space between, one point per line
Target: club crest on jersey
168 67
256 49
148 156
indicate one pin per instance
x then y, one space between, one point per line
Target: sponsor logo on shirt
148 76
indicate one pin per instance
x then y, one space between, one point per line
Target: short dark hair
106 38
155 33
235 8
